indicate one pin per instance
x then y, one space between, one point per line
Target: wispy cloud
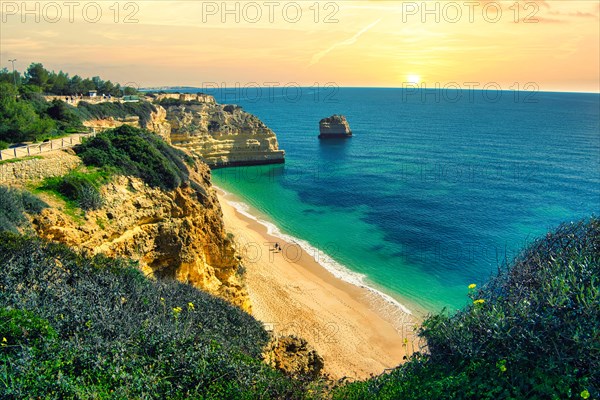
318 56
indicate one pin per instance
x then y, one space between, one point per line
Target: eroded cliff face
222 135
157 123
177 234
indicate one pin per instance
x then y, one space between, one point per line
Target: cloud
318 56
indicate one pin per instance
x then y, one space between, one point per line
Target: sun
413 78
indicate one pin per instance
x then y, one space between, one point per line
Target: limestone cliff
157 123
222 135
177 234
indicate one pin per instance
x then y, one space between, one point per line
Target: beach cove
356 331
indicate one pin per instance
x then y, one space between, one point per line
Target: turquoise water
429 195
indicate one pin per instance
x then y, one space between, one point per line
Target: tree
18 119
37 75
8 76
75 85
61 83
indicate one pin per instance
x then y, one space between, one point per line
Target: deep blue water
430 194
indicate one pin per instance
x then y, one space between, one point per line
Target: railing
39 148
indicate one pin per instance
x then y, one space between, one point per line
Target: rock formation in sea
221 135
335 126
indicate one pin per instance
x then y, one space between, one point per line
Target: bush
532 332
139 153
103 330
78 187
3 145
13 205
65 116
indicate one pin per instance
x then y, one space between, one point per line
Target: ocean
432 193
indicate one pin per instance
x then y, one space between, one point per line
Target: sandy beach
357 332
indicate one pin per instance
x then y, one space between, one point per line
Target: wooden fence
39 148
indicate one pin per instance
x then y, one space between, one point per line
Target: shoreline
357 330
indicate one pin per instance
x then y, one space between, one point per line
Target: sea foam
335 268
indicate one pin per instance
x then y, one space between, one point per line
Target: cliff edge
221 135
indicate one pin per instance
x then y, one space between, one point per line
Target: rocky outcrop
294 357
222 135
174 235
185 97
157 123
335 126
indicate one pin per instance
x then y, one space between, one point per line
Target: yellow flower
177 310
191 305
472 286
479 301
4 341
585 394
162 299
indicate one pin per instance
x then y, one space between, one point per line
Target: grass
79 189
16 160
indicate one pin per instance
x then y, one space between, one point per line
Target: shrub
103 330
532 332
13 205
3 145
78 187
137 152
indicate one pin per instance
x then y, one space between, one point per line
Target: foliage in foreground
76 327
533 332
136 152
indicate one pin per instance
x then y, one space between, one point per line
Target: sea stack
335 126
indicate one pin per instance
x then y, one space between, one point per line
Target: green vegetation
13 205
77 327
533 332
26 116
87 111
139 153
78 188
19 120
60 83
16 160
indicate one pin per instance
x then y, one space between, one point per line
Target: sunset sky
349 43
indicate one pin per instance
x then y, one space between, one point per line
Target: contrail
317 57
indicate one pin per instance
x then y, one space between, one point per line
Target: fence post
28 152
15 149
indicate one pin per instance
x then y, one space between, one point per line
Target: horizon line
361 87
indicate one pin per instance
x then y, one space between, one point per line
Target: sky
541 45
